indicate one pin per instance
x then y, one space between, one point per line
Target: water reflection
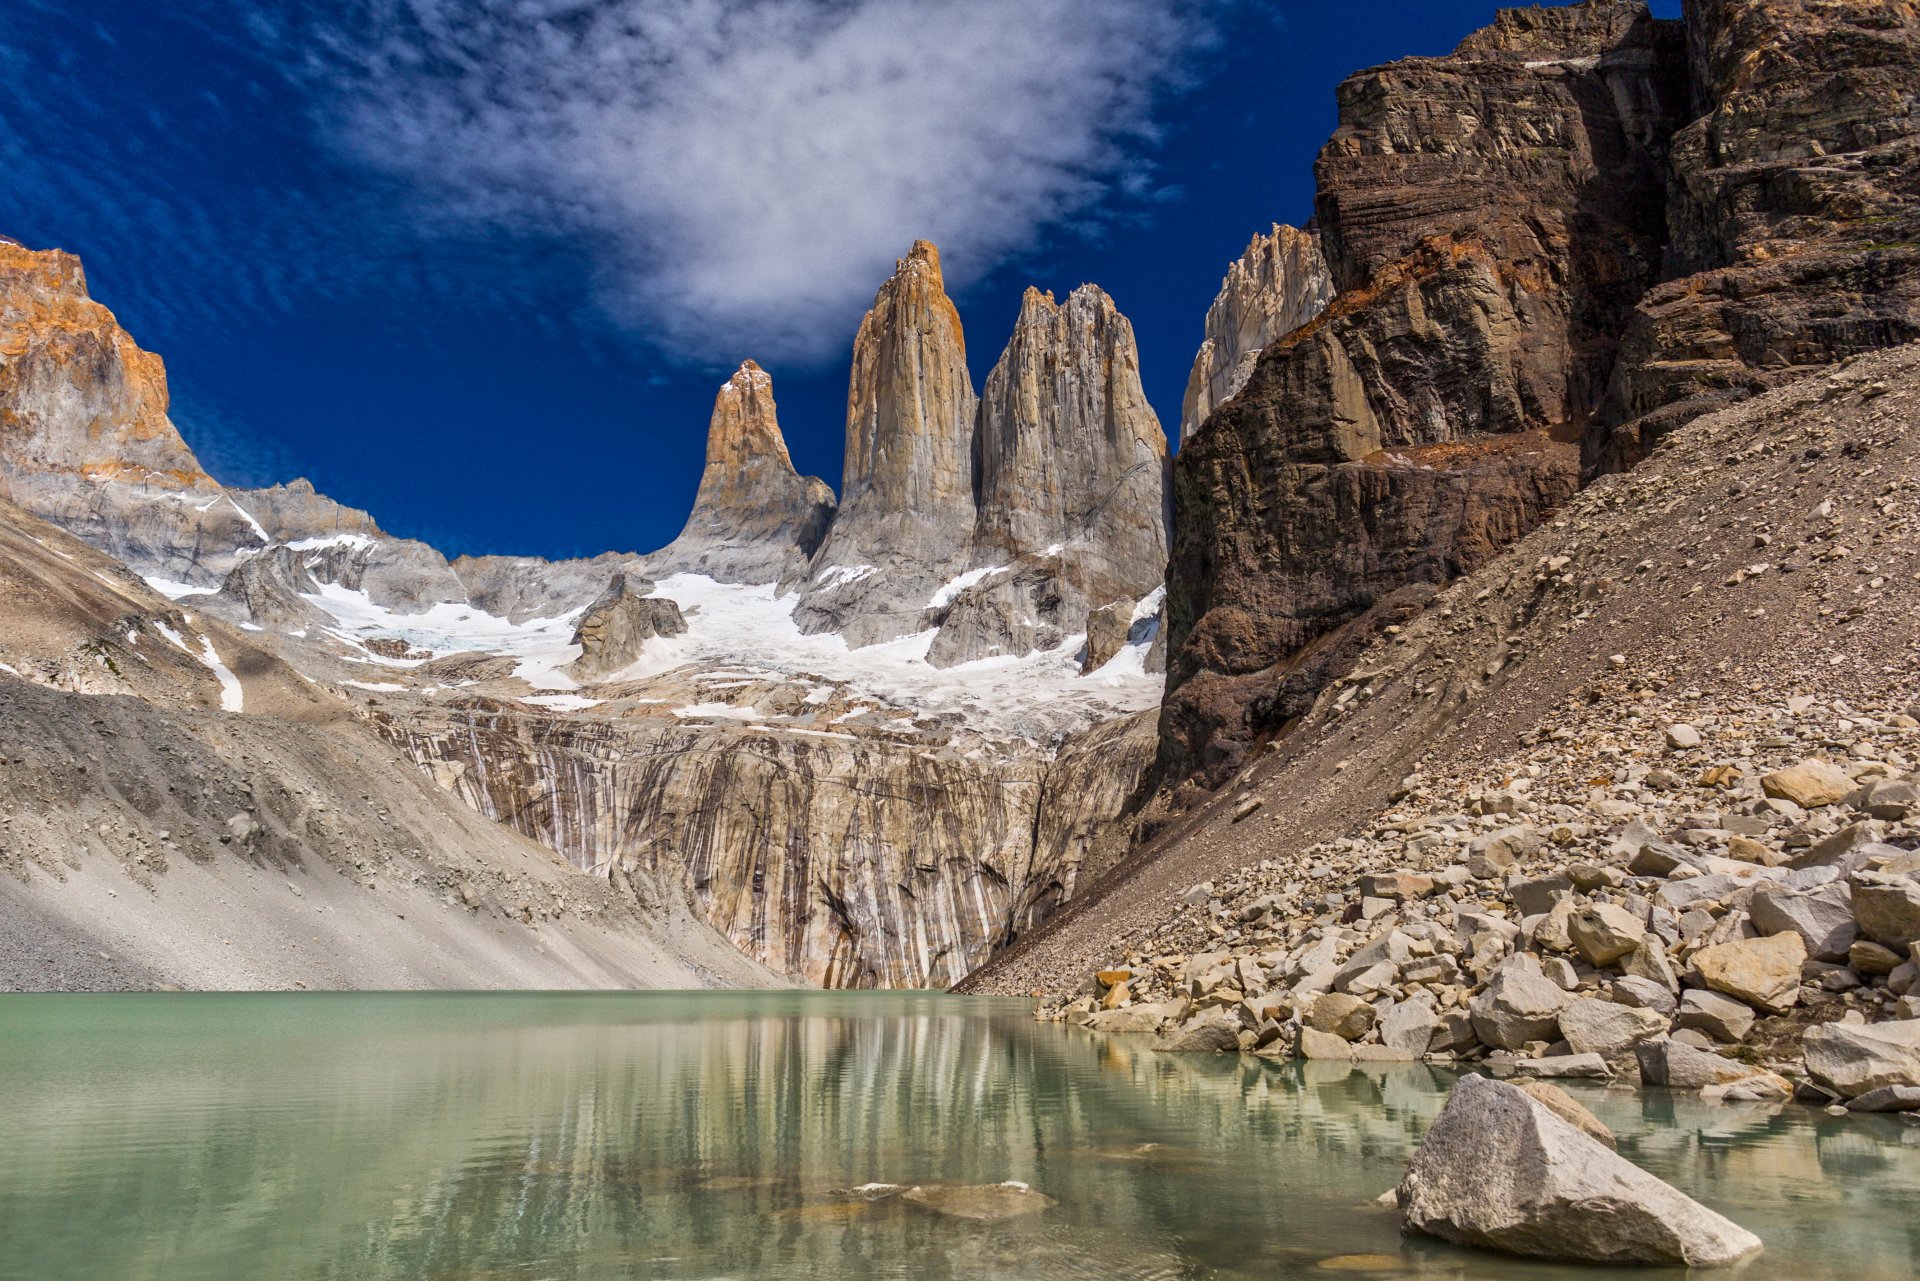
696 1136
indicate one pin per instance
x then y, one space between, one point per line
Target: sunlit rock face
1279 284
1072 479
85 440
755 520
906 504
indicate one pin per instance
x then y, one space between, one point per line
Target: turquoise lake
537 1137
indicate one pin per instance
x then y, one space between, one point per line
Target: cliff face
1794 208
906 508
1279 284
754 520
1071 480
84 435
1490 219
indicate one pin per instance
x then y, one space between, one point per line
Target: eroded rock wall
1279 284
841 861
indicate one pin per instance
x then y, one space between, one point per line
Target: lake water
566 1138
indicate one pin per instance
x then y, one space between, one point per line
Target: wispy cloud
745 171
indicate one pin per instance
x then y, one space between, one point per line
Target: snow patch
377 687
233 698
960 584
177 591
717 712
358 542
839 575
562 702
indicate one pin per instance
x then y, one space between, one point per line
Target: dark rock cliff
1490 218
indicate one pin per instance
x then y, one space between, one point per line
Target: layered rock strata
1794 211
1279 284
755 519
1490 219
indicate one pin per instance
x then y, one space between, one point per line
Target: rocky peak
754 518
1279 284
82 406
1072 473
1592 28
907 508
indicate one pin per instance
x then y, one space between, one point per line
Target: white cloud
746 171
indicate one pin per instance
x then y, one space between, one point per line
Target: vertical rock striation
906 511
1072 483
1279 284
755 519
1490 219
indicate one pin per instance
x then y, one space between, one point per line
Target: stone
1567 1108
1809 784
1871 958
1347 1017
1720 1017
1399 886
1323 1046
1847 850
1601 1027
1645 994
1887 908
1681 737
616 627
1584 1066
1407 1027
1500 1171
1493 854
1279 284
1118 995
1107 631
1519 1004
1851 1059
1680 1066
1659 858
1649 961
1890 799
1136 1018
979 1203
1887 1098
1603 933
1203 1034
1822 917
1763 972
1537 896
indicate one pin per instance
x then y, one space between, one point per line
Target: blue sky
479 267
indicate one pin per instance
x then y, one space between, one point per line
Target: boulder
1407 1027
1809 784
1891 799
1324 1046
1347 1017
1601 1027
1851 1059
1501 1171
1204 1034
1720 1017
1822 917
1565 1067
1603 933
979 1202
1888 908
1644 994
1888 1098
1136 1018
1763 972
1519 1004
1679 1066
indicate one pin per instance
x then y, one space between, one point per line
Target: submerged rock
980 1202
1501 1171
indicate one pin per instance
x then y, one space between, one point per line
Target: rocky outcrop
1490 219
754 520
617 627
1794 213
906 504
85 440
1071 472
1279 284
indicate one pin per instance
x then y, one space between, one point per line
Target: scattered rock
1852 1059
1763 972
1810 784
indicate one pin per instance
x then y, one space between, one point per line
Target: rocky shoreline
1728 909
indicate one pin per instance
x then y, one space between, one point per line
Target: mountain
1279 284
1612 394
779 719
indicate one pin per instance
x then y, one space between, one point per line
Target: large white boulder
1500 1171
1853 1058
